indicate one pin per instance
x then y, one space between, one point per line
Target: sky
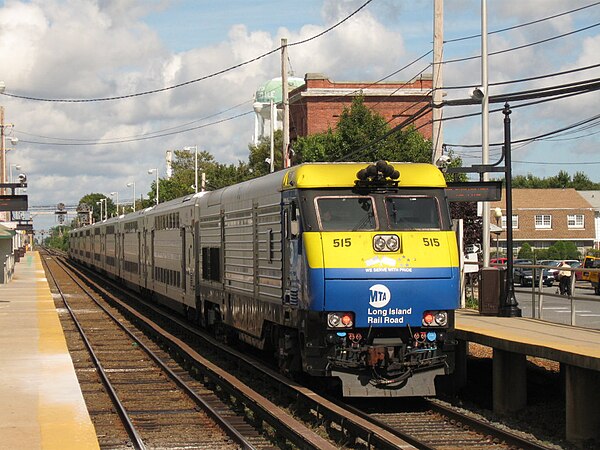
89 50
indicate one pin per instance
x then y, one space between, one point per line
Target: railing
538 293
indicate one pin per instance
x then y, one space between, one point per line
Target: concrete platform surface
41 401
567 344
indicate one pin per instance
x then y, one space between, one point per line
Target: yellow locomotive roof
329 175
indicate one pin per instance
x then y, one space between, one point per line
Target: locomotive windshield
346 213
412 213
423 209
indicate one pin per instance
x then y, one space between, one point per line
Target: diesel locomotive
346 271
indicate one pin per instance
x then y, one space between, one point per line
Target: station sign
13 203
474 191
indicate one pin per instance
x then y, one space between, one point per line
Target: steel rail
135 437
222 422
285 425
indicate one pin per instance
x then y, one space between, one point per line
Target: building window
575 221
515 222
543 221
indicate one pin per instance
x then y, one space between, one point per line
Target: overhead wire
122 141
520 47
196 80
155 133
514 27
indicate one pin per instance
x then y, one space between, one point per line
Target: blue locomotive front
377 278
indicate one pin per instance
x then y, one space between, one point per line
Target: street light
100 203
116 195
129 185
189 149
151 171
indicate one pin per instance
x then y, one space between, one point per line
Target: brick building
542 217
317 105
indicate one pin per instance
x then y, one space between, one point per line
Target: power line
522 80
144 136
122 141
533 22
531 44
93 141
205 77
538 137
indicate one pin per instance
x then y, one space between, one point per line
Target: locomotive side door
291 258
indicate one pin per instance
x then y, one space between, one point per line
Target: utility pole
284 103
485 149
4 216
273 112
438 43
2 148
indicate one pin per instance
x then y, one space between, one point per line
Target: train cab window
349 213
413 213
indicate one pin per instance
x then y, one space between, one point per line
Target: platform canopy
6 233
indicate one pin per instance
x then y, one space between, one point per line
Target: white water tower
267 103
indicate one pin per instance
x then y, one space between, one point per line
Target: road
557 308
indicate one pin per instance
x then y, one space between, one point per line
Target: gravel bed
544 417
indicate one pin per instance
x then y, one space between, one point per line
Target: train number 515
431 242
346 242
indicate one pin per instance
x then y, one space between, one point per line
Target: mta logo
379 296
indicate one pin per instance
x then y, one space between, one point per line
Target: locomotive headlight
333 320
441 318
379 244
393 243
386 243
435 318
340 320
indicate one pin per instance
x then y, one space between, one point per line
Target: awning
6 233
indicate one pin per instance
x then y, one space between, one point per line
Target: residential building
593 198
317 105
542 217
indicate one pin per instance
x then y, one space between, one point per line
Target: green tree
581 182
472 223
58 238
182 180
257 160
563 250
92 201
363 135
525 252
562 180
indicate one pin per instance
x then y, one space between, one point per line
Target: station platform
557 342
513 339
42 404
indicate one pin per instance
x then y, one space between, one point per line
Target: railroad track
428 427
158 405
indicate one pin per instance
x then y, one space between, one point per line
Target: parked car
524 275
